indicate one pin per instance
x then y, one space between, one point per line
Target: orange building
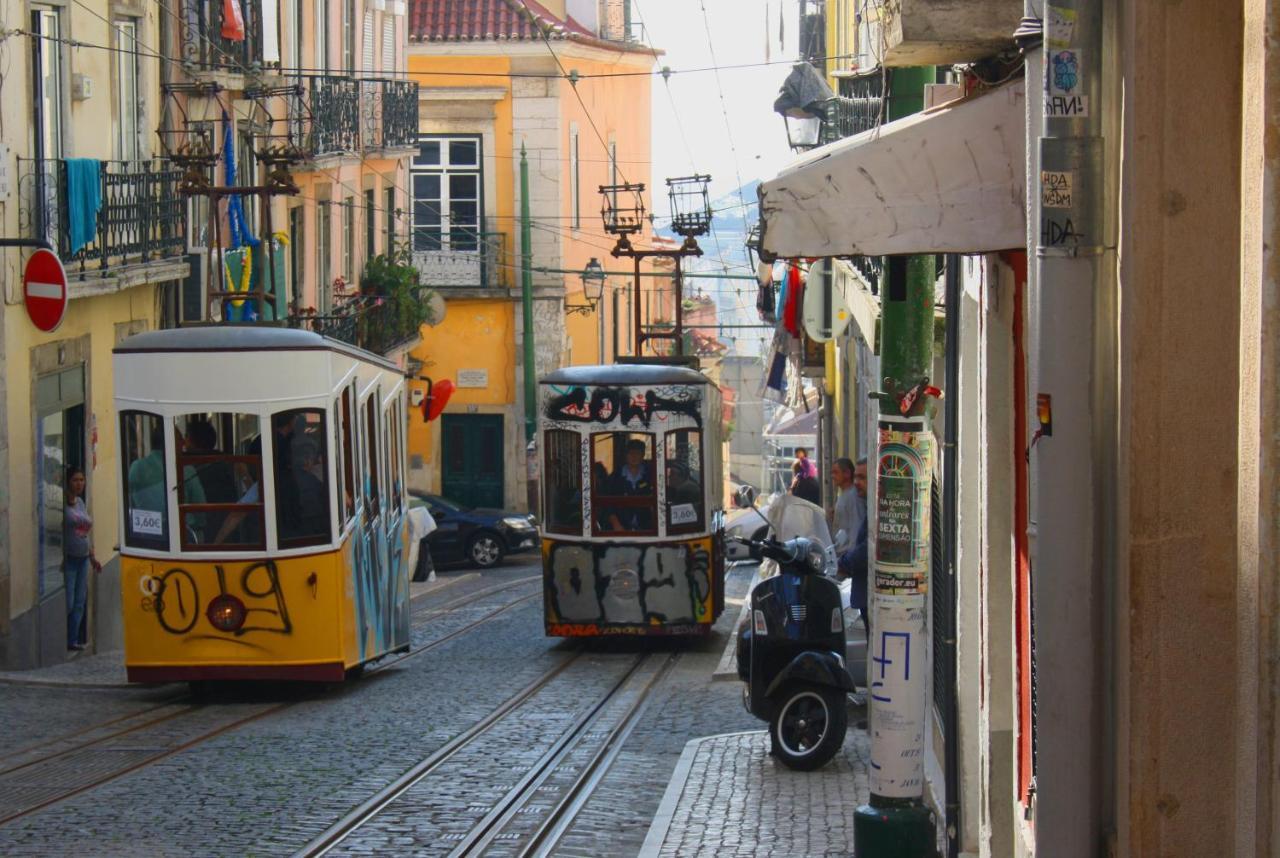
498 77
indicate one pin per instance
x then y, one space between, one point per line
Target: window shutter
366 59
388 43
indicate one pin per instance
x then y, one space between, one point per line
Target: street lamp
803 129
690 206
592 288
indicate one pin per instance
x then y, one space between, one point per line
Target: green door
471 470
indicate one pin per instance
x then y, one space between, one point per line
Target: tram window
146 523
623 485
301 469
346 475
395 488
220 502
371 499
563 491
685 513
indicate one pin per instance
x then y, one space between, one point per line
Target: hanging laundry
84 200
232 21
794 301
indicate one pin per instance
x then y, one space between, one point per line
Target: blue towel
84 199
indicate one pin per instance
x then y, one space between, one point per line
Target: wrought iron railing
375 323
333 109
399 113
461 258
141 217
209 40
860 106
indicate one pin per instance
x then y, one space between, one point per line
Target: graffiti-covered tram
262 533
632 500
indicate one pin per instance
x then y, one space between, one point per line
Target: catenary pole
526 290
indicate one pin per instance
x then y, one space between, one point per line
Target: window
388 43
324 275
575 185
301 469
349 35
345 431
321 24
372 507
562 492
349 240
389 212
49 96
297 250
685 506
367 42
623 489
128 103
447 194
395 456
220 498
370 223
146 520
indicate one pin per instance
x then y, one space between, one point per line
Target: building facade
504 82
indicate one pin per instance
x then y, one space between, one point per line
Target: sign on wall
473 378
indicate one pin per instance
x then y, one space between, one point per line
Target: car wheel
484 550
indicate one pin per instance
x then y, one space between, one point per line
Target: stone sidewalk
727 797
106 669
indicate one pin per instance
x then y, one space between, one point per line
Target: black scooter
791 654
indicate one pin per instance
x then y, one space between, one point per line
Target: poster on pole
899 652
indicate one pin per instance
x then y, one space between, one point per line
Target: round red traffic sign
44 290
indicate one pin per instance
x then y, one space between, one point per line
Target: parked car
481 537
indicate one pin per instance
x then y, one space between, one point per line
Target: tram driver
633 479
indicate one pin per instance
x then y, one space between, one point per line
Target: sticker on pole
44 290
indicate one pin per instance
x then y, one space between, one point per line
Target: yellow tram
263 525
632 504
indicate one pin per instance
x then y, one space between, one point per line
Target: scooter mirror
744 497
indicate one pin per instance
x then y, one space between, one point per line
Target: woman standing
77 551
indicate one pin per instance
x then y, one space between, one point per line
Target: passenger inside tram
633 479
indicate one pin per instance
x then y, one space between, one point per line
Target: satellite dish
826 312
435 306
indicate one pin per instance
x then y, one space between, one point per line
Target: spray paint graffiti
174 598
381 588
622 405
629 585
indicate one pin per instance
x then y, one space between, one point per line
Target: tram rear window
300 465
146 520
624 486
219 461
685 507
563 491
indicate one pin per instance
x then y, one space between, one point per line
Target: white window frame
445 169
575 180
128 93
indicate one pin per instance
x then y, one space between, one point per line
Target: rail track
49 772
520 822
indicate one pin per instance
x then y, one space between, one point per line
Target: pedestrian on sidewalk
77 556
803 484
851 507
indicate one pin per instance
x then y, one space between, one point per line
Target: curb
675 788
728 667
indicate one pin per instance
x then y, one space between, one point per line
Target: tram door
472 459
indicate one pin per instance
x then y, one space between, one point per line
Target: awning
948 180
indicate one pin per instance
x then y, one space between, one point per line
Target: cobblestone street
486 737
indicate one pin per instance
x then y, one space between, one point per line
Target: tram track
28 786
596 734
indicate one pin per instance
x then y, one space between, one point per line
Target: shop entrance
60 445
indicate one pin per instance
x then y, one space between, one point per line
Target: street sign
44 290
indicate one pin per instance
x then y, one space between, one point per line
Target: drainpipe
1068 468
526 289
950 541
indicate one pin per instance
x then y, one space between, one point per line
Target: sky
698 105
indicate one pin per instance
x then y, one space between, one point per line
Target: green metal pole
897 823
526 289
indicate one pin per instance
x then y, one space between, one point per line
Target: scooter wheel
808 726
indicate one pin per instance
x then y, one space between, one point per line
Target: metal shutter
366 59
388 43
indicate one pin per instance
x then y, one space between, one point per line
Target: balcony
142 219
388 114
204 47
331 115
459 259
943 32
375 323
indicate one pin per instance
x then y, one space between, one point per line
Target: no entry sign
44 290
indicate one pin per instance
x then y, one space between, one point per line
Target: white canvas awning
948 180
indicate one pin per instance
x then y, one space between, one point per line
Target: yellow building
491 83
125 263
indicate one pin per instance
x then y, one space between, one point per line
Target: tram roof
241 338
624 374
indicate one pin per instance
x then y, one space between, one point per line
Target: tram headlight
226 613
